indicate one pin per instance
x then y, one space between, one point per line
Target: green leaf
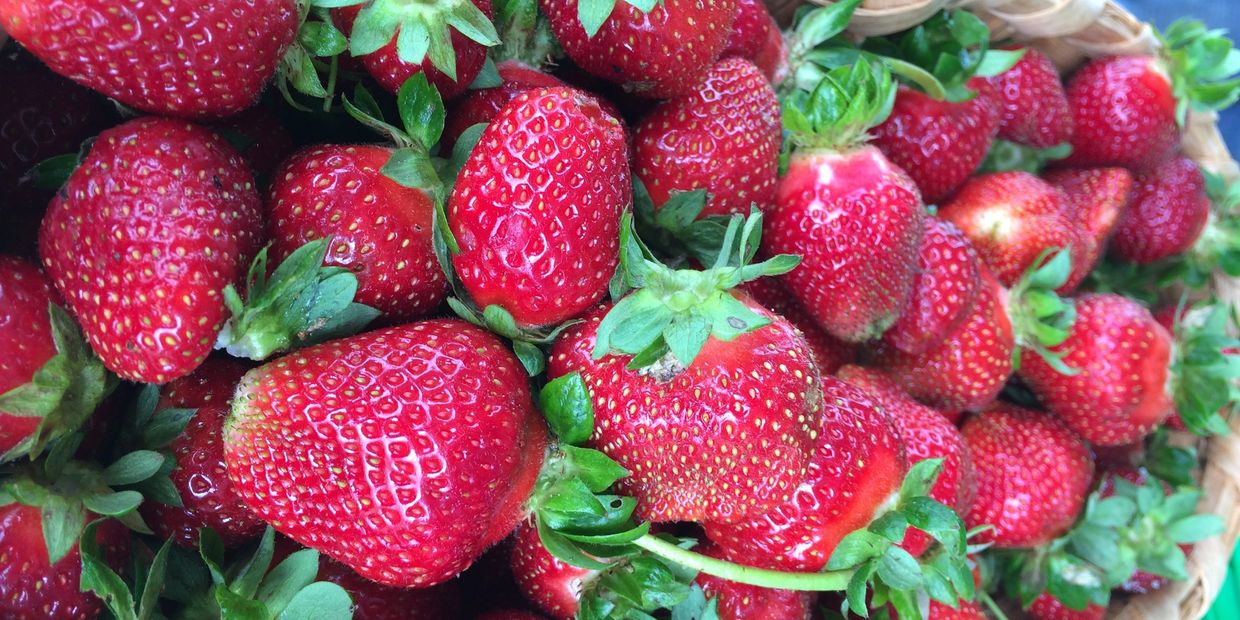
857 548
421 110
247 581
597 470
898 569
891 526
920 478
998 62
99 578
133 467
288 578
165 427
530 356
113 504
413 168
148 603
566 404
234 606
322 39
319 601
686 338
822 24
52 173
1195 528
488 77
565 550
593 13
63 522
857 586
211 550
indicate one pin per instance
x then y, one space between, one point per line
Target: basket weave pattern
1070 32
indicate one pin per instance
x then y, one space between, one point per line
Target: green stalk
831 581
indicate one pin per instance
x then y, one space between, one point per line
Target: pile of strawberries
610 310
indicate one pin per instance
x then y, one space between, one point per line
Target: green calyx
1006 156
63 392
666 315
146 429
422 113
842 106
1202 65
300 67
594 13
525 33
303 302
676 232
1205 369
1041 319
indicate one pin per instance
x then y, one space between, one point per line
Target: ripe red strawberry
1033 474
142 240
724 438
260 138
830 353
332 445
26 337
944 289
1012 218
756 37
969 368
939 143
664 53
547 581
31 588
536 208
1047 607
1033 106
1167 214
373 601
723 138
965 611
738 601
857 465
464 54
1132 88
483 105
200 475
1094 201
1123 359
926 434
380 230
173 58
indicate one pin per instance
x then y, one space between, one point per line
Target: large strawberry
175 58
853 216
374 601
450 52
756 37
724 138
664 52
200 477
1047 607
1033 474
1033 106
483 105
552 584
333 444
830 353
1094 200
944 289
1167 214
157 220
535 211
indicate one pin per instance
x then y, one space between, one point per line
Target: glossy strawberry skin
30 589
196 59
1168 212
944 289
829 352
1033 474
938 143
723 138
857 464
1123 357
756 37
964 611
25 337
856 221
1047 607
1094 201
483 105
1033 106
409 491
201 476
1124 114
385 65
926 434
661 54
380 230
738 601
373 601
547 581
141 241
724 439
536 208
1012 218
970 367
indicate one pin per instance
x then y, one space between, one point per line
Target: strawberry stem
829 581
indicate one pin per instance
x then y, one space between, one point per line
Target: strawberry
380 230
346 480
260 138
1033 106
157 220
1012 218
1033 474
853 216
755 36
453 46
200 475
665 52
965 610
738 601
1094 201
939 143
829 353
724 138
1167 214
944 289
34 586
1047 607
537 234
550 583
483 105
25 332
373 601
1123 360
856 467
211 60
926 434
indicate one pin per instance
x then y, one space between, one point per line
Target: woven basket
1071 31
